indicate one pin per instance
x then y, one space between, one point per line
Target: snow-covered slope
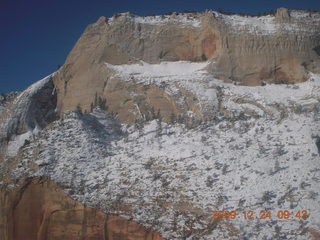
266 25
272 100
168 175
259 154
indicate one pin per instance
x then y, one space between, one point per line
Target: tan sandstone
40 210
243 56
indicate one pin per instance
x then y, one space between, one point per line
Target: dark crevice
317 50
318 143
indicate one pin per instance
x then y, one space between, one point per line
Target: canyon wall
245 50
25 114
279 49
121 40
39 210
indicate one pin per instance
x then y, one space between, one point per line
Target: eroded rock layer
249 50
39 210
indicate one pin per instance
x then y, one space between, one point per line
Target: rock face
39 210
248 50
86 74
198 144
276 49
26 113
282 15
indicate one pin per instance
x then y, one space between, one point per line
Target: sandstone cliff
198 143
26 113
278 49
247 50
39 210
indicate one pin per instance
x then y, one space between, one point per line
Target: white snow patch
163 20
34 88
164 69
172 76
181 19
266 25
263 24
17 142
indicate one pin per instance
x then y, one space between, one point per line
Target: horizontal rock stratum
280 48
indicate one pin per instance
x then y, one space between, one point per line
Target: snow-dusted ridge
24 117
33 89
267 24
162 20
183 19
253 24
171 177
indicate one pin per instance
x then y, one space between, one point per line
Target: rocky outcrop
270 49
26 113
84 74
6 98
247 50
39 210
282 15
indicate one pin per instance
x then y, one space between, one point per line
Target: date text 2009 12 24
250 215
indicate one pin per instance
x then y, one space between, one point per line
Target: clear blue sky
37 35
